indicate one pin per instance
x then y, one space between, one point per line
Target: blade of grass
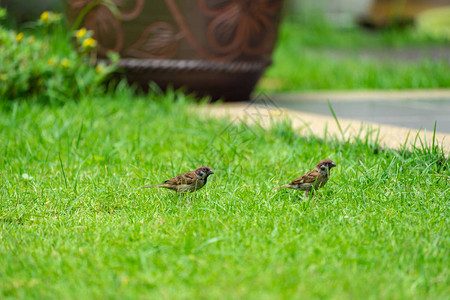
79 135
434 137
62 168
335 118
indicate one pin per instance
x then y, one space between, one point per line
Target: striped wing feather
188 178
309 177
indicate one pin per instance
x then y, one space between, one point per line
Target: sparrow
187 182
314 179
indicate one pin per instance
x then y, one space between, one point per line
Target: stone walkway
410 109
398 118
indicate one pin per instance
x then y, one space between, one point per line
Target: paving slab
411 109
359 113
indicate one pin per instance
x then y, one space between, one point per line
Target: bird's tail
282 187
152 186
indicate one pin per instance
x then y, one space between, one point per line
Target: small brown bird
187 182
313 180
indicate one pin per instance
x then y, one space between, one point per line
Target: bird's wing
309 177
186 178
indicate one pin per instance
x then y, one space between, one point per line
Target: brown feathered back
309 177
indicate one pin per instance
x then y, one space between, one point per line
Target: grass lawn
314 56
73 226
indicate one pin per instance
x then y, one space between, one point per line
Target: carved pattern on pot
235 28
127 13
158 40
108 31
241 26
79 4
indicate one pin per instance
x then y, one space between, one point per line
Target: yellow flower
51 62
19 37
45 16
99 69
81 33
49 17
3 77
31 40
65 63
89 43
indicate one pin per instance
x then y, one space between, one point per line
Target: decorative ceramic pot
213 47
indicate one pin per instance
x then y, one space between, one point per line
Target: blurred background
370 13
321 44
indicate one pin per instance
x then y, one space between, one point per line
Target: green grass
313 57
73 226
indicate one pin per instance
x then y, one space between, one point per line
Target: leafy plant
39 65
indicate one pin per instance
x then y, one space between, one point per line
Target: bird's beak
211 172
332 165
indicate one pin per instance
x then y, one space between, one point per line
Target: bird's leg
304 197
306 194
